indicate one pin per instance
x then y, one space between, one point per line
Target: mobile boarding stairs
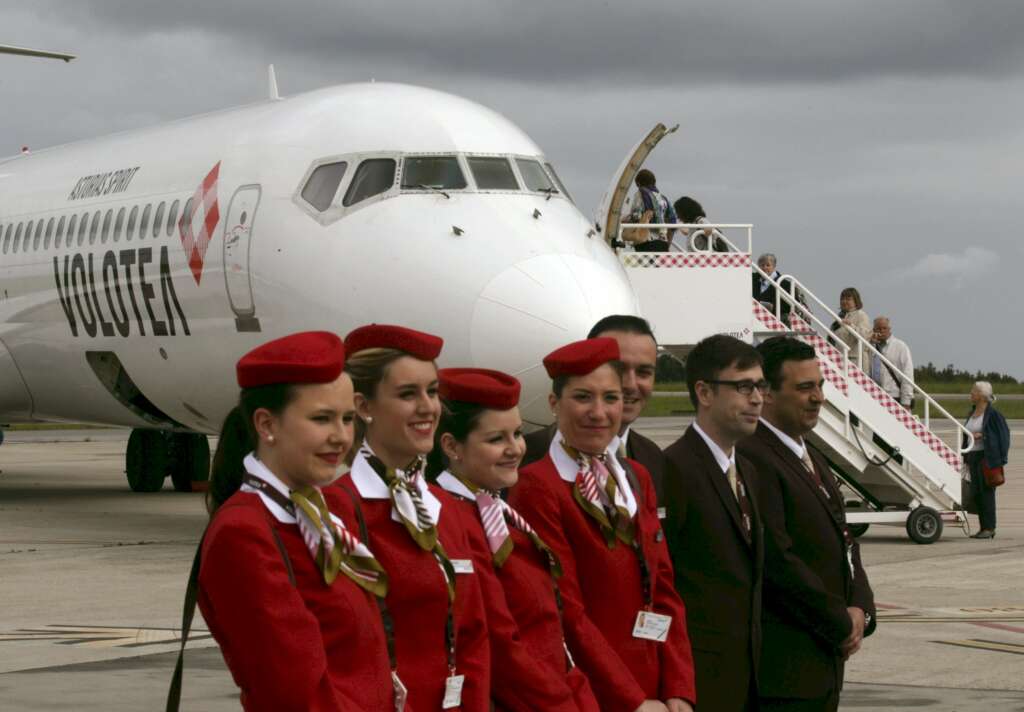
911 478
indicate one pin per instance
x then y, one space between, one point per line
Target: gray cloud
857 137
648 42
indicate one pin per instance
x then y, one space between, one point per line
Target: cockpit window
492 173
374 176
534 176
322 185
437 172
558 181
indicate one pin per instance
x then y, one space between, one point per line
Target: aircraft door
237 248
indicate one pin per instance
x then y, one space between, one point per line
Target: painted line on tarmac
98 636
990 645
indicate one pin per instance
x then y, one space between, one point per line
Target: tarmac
92 578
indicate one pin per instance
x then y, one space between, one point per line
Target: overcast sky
872 144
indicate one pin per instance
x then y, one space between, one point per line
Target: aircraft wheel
190 460
146 460
924 525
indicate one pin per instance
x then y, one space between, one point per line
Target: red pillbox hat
581 357
482 386
425 347
305 357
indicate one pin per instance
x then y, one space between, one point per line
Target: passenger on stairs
764 290
654 207
690 211
853 321
897 382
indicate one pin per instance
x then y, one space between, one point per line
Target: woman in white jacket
854 320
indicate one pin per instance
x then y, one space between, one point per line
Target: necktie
739 491
812 470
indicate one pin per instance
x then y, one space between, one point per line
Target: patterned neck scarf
497 515
403 486
596 490
333 547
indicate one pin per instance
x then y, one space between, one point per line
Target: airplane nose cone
537 305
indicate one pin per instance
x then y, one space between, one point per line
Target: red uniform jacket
602 592
304 647
527 655
418 601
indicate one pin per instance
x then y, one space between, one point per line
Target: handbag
993 475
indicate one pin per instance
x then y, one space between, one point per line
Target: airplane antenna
272 84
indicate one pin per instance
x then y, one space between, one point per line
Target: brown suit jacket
639 448
718 572
808 584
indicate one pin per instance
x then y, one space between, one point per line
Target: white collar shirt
798 448
256 468
450 483
724 460
370 485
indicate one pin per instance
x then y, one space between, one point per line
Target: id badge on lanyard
453 685
401 693
652 626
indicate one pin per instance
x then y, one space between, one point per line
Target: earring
270 439
368 419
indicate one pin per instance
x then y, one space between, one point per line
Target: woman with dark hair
709 239
624 622
480 445
285 587
989 450
434 600
853 320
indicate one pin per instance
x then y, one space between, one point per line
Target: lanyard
385 614
645 571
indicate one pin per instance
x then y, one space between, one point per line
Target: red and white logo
197 224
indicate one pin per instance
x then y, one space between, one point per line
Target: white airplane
136 269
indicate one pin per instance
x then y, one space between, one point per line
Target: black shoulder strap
189 611
382 606
899 383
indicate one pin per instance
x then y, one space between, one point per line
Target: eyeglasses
745 387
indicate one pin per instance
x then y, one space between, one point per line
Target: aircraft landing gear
190 460
154 454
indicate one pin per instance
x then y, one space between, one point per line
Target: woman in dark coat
990 447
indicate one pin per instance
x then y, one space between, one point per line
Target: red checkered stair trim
686 259
832 366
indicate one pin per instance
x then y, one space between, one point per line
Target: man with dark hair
713 527
818 604
639 353
648 205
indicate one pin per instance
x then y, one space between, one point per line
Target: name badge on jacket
462 566
652 626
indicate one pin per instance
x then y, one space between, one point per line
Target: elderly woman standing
991 445
853 321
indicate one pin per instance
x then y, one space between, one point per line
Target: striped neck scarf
333 547
497 515
597 491
403 486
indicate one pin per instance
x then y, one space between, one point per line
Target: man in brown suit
639 352
713 527
818 605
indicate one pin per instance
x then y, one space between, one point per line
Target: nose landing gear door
238 236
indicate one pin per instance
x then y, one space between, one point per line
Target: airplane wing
25 51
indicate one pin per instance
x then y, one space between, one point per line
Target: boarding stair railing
899 470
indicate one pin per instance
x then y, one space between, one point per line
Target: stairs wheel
146 460
858 530
924 525
190 460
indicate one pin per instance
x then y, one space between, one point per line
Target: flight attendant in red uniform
480 445
285 586
434 599
624 622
